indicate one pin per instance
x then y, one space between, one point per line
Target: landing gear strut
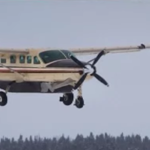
79 102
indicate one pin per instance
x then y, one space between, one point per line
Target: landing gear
3 98
79 103
3 95
67 98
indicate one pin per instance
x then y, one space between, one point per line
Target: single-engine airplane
51 71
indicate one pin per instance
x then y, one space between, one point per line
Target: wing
123 49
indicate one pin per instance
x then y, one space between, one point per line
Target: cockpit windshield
53 55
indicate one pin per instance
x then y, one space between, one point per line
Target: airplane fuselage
37 76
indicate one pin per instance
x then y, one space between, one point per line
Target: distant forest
90 142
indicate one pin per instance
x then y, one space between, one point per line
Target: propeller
98 77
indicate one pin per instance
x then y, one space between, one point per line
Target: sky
122 107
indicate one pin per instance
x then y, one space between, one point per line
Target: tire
68 99
79 103
3 98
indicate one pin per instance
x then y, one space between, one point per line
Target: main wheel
3 98
79 103
67 98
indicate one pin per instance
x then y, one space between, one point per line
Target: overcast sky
123 107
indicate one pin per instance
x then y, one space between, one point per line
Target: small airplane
52 71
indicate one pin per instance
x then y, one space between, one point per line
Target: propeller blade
77 61
98 77
98 57
81 80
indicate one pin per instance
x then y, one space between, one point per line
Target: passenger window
3 60
36 60
29 59
12 59
22 59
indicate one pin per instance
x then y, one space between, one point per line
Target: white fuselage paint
42 74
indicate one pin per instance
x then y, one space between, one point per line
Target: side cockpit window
12 59
36 60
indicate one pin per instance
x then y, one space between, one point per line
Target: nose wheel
79 102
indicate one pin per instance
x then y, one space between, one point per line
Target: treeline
91 142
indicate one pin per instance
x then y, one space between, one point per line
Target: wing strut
19 77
